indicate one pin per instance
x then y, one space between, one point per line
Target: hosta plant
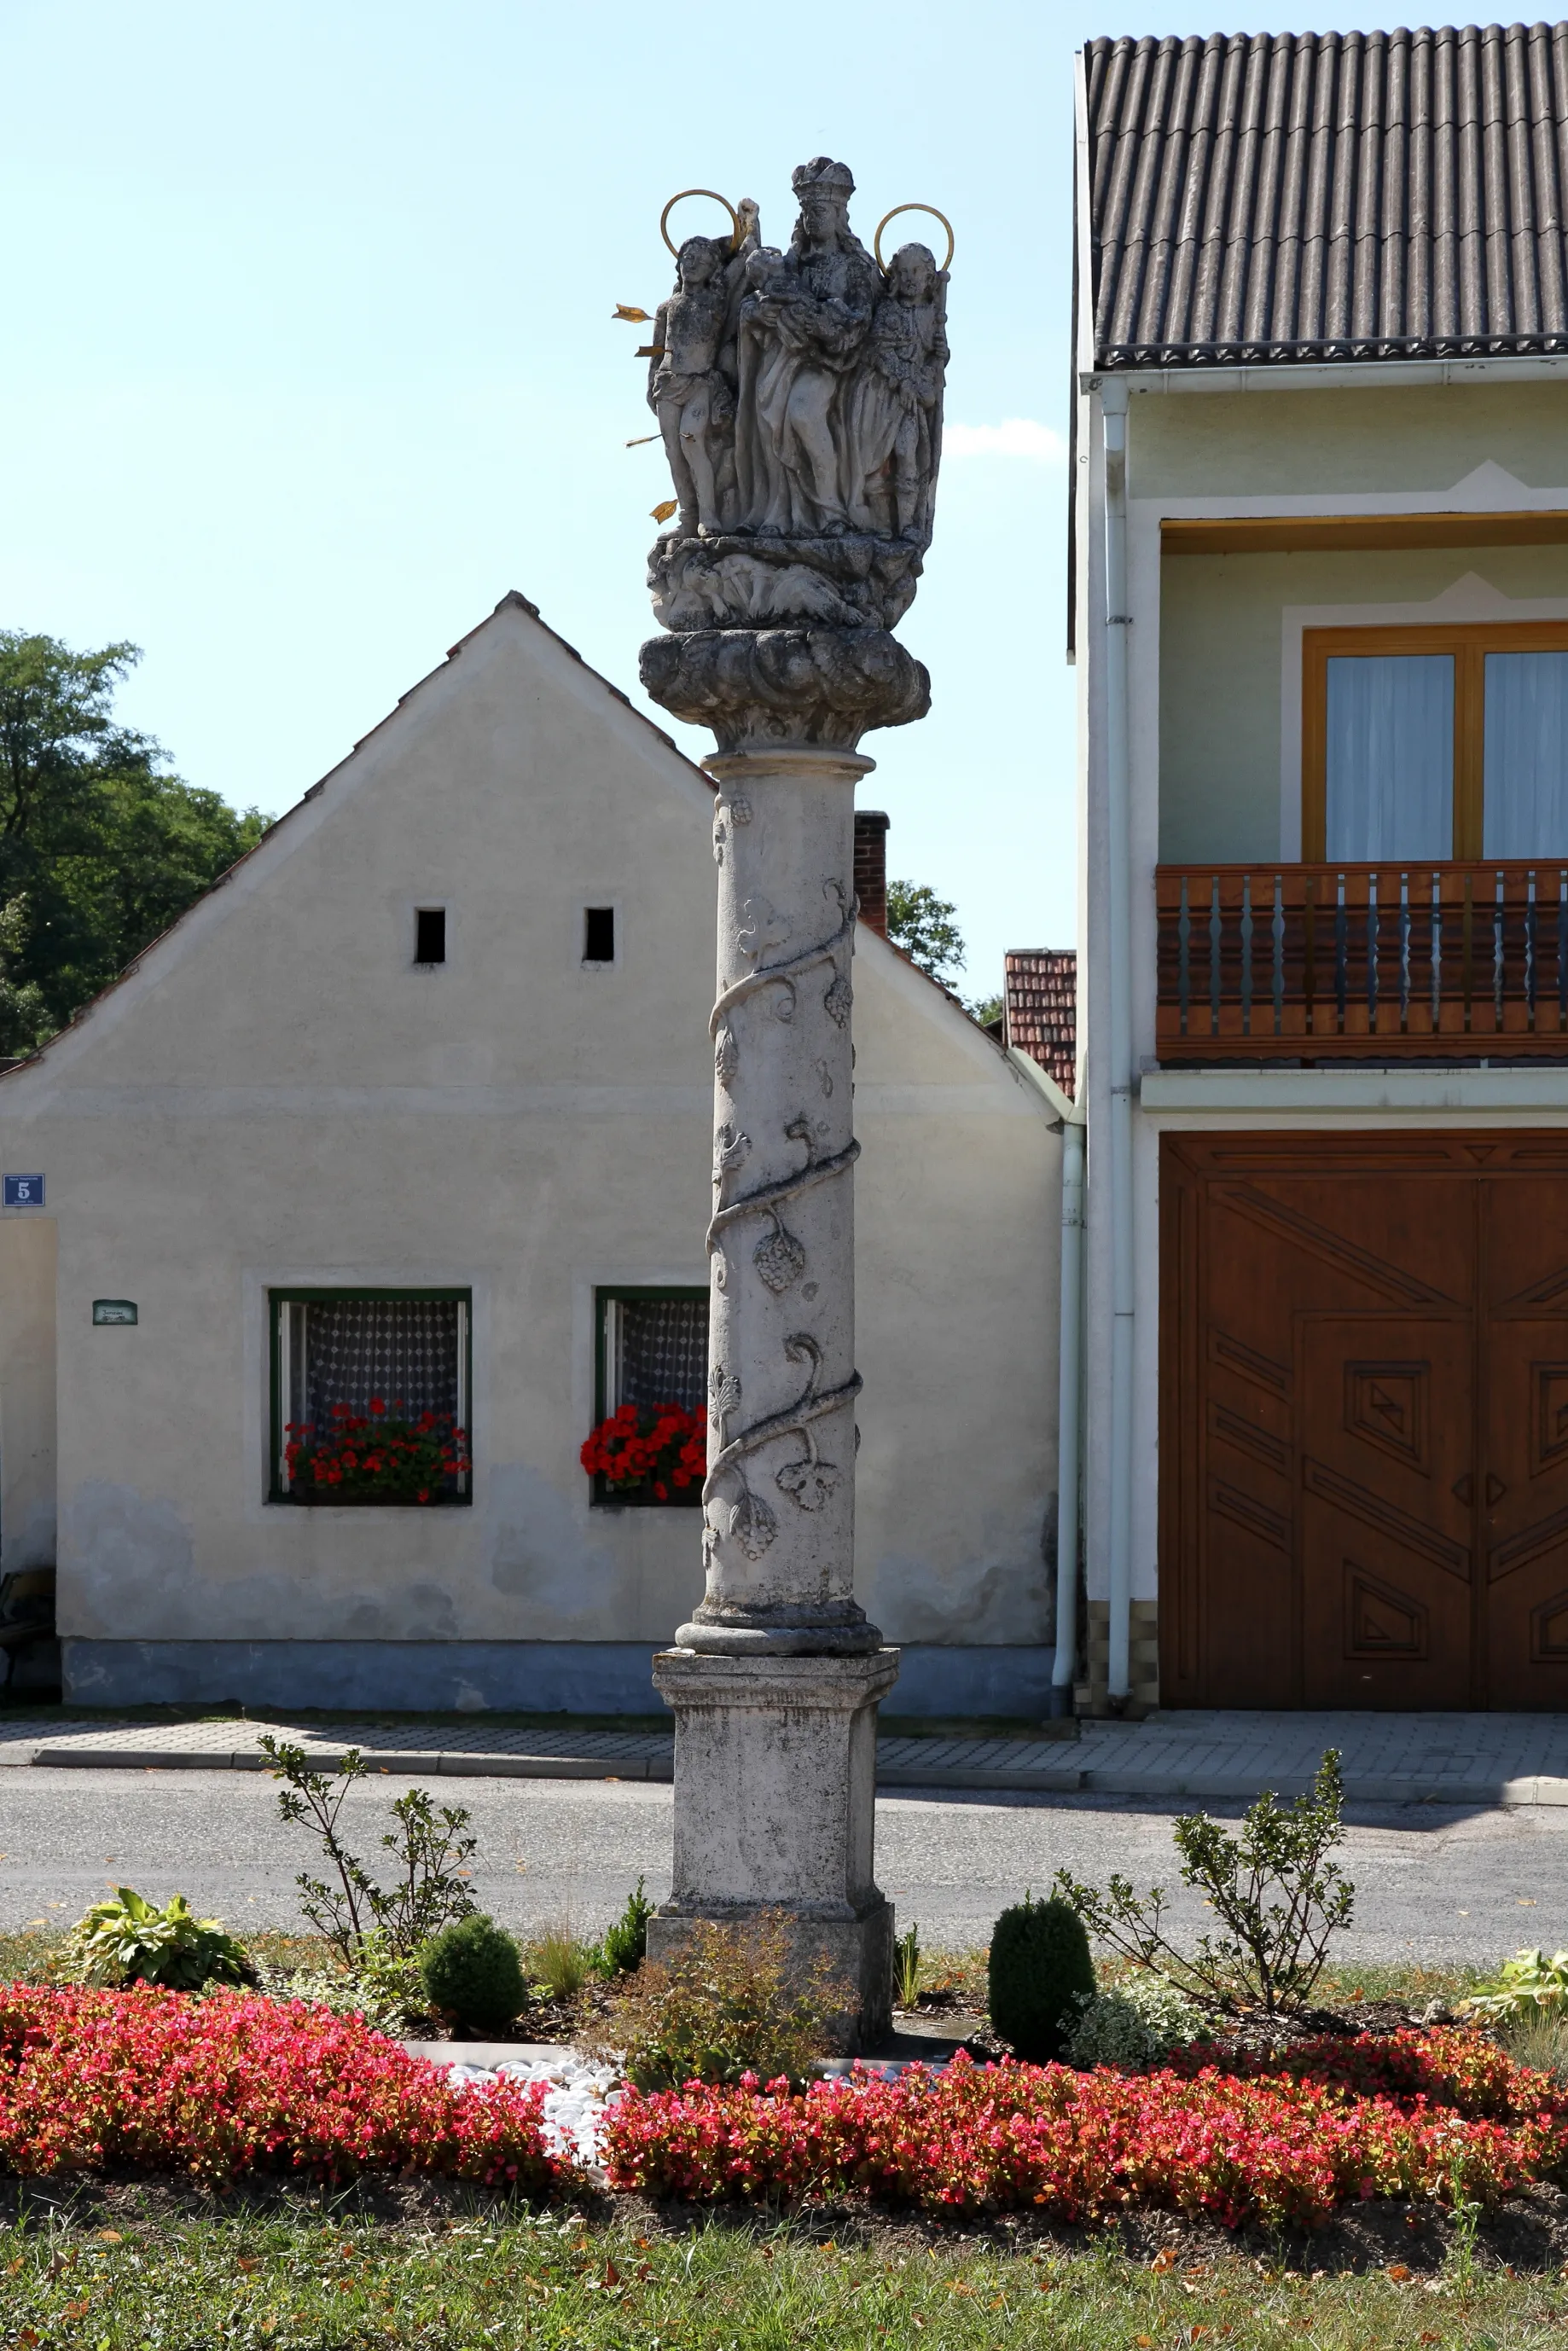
129 1941
1530 1984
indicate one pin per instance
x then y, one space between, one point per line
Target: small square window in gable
430 935
598 935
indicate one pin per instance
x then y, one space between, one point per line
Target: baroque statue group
799 396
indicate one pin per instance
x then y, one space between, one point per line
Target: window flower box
380 1456
651 1454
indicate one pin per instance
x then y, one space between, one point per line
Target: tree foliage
100 848
922 924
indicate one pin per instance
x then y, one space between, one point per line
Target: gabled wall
277 1097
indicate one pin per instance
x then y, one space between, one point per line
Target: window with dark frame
430 935
1432 745
651 1350
598 935
410 1350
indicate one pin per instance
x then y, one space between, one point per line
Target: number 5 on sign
23 1191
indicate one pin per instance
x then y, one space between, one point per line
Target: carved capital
752 687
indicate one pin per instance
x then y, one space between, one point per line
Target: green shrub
471 1971
732 2000
1135 2022
625 1945
128 1940
1040 1968
1269 1952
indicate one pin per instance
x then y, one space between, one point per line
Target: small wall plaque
23 1191
114 1309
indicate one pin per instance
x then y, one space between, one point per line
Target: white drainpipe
1069 1387
1068 1416
1113 409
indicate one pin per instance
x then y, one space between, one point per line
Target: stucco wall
1222 673
279 1098
1269 443
27 1390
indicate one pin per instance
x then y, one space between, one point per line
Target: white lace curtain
660 1351
1525 804
403 1350
1390 766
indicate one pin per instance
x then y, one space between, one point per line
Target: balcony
1338 962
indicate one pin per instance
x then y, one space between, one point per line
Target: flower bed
1274 2148
160 2081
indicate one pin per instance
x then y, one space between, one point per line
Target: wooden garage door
1363 1443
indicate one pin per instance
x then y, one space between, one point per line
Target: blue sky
309 359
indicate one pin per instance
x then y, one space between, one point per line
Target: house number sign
23 1191
114 1309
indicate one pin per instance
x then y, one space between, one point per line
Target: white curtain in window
662 1347
1525 778
1390 757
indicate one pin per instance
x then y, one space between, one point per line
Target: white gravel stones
577 2098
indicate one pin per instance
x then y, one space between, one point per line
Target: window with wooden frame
373 1384
1432 745
650 1350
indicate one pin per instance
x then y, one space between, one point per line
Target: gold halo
729 208
876 241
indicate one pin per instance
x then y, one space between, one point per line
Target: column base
775 1810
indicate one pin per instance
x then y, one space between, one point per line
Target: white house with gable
416 1102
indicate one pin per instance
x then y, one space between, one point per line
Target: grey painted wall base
476 1677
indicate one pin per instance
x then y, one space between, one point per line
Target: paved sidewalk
1447 1759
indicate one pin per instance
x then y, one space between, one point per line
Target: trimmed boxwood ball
471 1971
1039 1965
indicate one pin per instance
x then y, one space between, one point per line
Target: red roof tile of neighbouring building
1041 995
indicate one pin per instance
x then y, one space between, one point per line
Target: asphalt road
1432 1882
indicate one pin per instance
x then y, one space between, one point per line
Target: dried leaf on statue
630 310
664 510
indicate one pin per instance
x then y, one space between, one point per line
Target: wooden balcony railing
1328 962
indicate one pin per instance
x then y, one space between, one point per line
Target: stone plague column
800 398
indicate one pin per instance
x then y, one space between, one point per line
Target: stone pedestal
775 1789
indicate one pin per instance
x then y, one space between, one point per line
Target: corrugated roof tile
1257 197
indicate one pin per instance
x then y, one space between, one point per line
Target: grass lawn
316 2282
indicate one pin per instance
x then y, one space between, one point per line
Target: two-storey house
1320 593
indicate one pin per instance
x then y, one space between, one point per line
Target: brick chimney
870 867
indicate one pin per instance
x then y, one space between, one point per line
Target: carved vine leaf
752 1524
723 1394
726 1055
740 809
810 1482
838 1001
780 1259
730 1150
761 926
